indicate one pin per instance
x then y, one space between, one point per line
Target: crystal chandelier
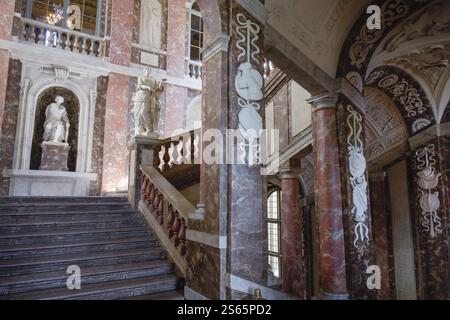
57 15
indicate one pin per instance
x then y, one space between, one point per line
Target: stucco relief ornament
357 167
428 180
249 86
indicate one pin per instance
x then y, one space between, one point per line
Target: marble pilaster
333 278
176 53
115 159
355 192
430 202
6 24
291 236
381 233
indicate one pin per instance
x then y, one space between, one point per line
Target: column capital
323 101
290 173
217 44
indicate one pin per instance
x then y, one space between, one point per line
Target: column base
332 296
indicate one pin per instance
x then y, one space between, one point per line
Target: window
274 236
78 15
196 33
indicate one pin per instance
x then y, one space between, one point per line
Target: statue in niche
56 126
146 104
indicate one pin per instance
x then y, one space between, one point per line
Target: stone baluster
182 236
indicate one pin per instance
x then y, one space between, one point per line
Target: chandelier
57 15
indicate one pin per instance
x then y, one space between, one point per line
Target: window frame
98 18
201 32
279 254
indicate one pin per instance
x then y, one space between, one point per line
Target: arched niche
72 105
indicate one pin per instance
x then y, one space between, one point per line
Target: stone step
111 290
169 295
69 200
64 219
69 226
57 206
71 235
58 279
24 266
36 250
4 216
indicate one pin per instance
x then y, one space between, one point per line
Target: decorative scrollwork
428 180
357 167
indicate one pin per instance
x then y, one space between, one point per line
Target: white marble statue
56 126
146 104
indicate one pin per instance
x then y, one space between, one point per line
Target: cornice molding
256 9
217 45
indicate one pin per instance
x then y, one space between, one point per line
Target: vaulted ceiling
317 28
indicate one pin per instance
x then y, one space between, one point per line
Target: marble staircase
118 255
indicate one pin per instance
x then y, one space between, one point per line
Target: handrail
170 194
166 210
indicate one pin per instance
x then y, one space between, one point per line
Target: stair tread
89 271
168 295
68 223
72 258
68 213
70 232
70 244
93 289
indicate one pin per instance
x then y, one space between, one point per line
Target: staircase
118 256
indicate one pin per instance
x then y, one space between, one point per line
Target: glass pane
195 39
273 206
195 7
195 22
88 25
195 54
274 263
82 15
273 231
40 10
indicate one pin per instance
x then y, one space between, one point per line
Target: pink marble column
115 155
291 242
380 231
6 22
333 283
176 53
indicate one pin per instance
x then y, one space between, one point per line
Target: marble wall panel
99 134
9 124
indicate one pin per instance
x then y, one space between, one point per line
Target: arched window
78 15
195 33
274 237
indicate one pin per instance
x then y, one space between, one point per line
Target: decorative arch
362 43
212 18
407 94
31 95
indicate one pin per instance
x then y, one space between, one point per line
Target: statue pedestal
54 156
